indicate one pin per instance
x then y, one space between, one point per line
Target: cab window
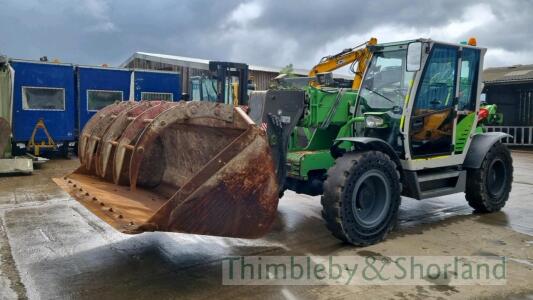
437 89
468 79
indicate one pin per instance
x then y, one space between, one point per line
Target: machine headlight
373 121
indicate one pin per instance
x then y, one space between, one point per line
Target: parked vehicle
411 129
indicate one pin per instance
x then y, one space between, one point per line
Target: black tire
16 151
64 150
373 176
488 188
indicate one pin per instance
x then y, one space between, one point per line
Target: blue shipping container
157 85
65 96
99 87
44 91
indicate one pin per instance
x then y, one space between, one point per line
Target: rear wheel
361 197
488 188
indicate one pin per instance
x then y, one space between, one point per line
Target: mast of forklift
357 54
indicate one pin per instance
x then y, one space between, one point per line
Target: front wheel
361 197
488 188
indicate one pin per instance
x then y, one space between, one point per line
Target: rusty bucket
192 167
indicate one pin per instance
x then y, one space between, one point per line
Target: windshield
382 94
386 82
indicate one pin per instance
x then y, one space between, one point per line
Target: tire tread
334 185
476 193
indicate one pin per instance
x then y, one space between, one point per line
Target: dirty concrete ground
52 247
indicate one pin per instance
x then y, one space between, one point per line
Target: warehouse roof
512 74
203 64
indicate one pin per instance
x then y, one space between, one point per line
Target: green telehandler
414 128
411 127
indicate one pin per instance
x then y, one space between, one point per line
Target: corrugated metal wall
525 110
261 79
515 101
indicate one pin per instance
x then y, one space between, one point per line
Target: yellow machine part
358 54
36 146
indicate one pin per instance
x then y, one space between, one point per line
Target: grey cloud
512 29
102 31
316 23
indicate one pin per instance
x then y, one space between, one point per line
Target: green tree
288 70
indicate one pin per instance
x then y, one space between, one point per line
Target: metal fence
522 135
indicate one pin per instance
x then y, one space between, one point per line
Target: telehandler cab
412 129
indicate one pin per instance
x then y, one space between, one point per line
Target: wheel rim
496 178
371 199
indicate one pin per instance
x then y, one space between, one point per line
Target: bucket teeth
193 167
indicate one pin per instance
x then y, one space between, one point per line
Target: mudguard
480 145
369 143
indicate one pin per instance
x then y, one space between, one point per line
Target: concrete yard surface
52 247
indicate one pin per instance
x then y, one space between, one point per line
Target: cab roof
423 40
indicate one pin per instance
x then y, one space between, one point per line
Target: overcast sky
259 32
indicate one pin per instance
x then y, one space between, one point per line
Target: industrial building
188 67
511 88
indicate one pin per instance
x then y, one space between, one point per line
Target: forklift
224 84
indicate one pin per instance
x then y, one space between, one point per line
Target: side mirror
414 56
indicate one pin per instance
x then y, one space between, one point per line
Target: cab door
468 93
431 131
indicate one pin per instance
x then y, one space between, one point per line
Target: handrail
522 135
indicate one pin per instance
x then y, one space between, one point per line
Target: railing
522 135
